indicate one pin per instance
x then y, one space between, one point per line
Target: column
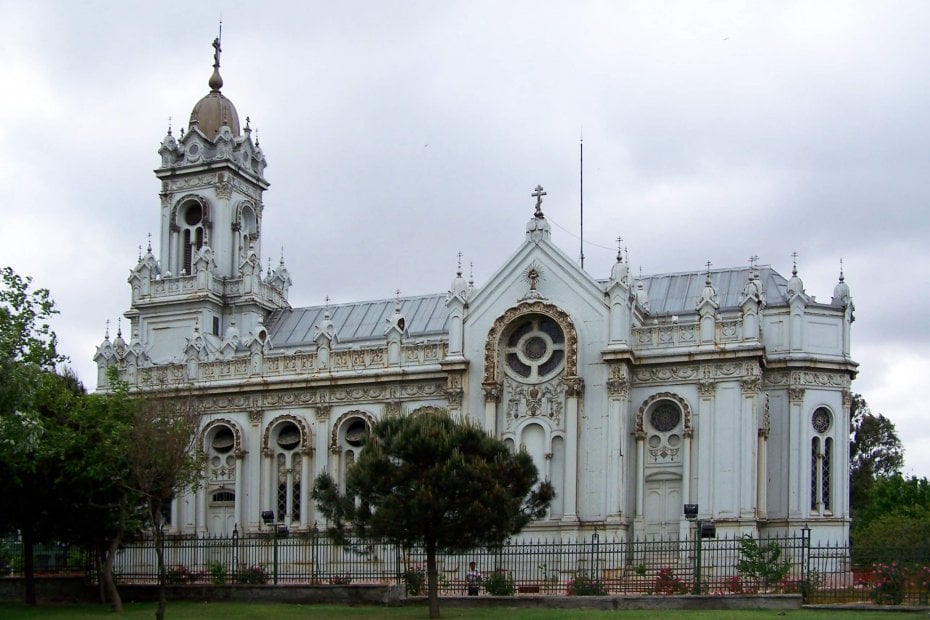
492 396
618 388
239 509
575 386
306 484
798 451
267 502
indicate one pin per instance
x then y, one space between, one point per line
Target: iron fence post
697 560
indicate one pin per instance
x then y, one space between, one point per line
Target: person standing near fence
472 579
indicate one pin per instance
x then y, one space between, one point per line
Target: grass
261 611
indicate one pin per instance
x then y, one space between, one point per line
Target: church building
728 389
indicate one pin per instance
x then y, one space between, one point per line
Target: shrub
415 581
179 574
888 583
583 584
217 572
761 563
668 583
733 585
254 574
499 583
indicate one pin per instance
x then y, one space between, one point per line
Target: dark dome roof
214 111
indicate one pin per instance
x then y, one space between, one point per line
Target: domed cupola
841 296
214 110
795 284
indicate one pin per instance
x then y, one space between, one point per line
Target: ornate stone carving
574 387
323 411
669 396
796 394
255 416
707 389
666 374
492 391
545 400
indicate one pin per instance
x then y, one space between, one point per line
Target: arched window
821 462
287 474
351 436
664 432
192 221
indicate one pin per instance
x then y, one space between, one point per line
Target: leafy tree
92 485
163 460
31 397
875 451
761 563
436 481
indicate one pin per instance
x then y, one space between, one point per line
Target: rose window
534 350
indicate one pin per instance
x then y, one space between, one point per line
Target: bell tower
212 181
205 296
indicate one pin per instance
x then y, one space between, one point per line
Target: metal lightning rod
581 192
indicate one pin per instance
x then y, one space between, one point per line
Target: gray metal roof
358 322
678 293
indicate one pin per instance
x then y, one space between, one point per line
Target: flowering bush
668 583
583 584
888 583
254 574
734 585
923 579
179 574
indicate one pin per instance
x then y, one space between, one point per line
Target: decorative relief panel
544 400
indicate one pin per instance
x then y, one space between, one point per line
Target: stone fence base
78 590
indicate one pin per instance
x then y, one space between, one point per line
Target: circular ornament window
534 349
821 420
665 417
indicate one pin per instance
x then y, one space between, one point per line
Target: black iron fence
593 565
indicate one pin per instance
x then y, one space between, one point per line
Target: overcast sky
400 133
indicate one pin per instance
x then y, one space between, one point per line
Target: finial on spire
150 242
471 273
282 254
794 266
752 261
619 249
538 193
169 125
119 327
841 271
247 128
269 267
106 335
216 82
140 252
459 271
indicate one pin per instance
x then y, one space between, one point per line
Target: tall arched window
351 437
192 234
287 471
821 462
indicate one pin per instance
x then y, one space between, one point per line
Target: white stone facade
726 388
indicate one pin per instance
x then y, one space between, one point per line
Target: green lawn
260 611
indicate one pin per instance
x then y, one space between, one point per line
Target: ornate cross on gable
538 193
